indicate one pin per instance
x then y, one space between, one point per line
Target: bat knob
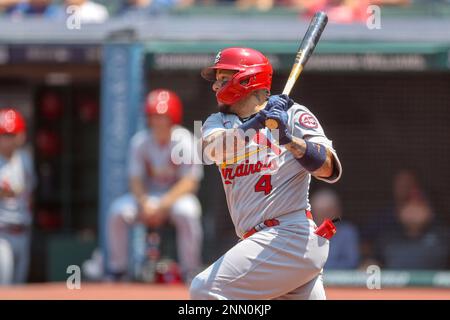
271 124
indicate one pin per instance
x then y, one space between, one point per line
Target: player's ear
262 95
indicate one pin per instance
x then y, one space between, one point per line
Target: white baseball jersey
17 175
153 162
260 187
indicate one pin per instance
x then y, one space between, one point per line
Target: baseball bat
306 48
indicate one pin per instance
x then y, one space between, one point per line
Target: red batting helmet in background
165 102
11 122
254 72
51 105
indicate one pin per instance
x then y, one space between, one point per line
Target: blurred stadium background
383 95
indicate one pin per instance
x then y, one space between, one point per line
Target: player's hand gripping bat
305 50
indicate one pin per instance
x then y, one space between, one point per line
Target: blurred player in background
159 189
16 184
344 246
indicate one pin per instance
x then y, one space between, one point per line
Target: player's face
222 77
8 143
415 216
161 126
324 207
406 187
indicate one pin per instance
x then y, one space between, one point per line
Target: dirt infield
59 291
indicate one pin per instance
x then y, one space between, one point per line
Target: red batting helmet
165 102
11 122
51 105
254 72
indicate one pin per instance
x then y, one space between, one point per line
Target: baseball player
16 185
160 189
266 176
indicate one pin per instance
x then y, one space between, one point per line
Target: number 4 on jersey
264 184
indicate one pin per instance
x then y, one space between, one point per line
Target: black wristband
314 157
285 138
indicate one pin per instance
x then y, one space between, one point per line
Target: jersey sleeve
213 124
305 125
136 161
30 174
185 155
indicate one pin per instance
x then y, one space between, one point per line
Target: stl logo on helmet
308 121
8 120
162 107
162 98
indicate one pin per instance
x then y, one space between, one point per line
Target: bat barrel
312 36
307 46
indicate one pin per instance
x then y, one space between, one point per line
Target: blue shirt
428 251
344 248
